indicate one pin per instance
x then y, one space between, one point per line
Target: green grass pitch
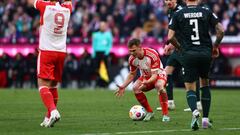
98 112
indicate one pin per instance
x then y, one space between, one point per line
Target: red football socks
164 103
47 98
55 95
55 99
142 99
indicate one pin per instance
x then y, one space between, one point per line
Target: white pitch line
155 131
230 129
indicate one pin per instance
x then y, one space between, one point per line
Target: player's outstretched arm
121 89
219 36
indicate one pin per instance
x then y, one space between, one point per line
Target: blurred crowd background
19 24
18 19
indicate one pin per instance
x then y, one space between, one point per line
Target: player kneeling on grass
54 18
152 76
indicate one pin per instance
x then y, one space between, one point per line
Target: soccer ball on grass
137 112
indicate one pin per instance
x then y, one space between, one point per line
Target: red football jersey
149 63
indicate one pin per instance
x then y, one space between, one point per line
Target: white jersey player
54 18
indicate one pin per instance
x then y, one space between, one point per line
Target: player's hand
215 52
168 49
120 91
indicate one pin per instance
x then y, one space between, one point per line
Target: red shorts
151 86
50 65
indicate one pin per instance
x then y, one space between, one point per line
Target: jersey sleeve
132 68
155 64
40 5
213 19
155 60
67 5
173 23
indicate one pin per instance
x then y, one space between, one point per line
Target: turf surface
91 112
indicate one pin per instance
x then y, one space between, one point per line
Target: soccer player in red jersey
152 76
54 18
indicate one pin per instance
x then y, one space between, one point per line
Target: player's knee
159 87
43 82
190 85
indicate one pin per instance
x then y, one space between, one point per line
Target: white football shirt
53 25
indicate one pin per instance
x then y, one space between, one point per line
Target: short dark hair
134 41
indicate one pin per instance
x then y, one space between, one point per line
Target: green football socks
169 87
206 100
192 99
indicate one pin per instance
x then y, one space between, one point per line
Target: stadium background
126 18
96 111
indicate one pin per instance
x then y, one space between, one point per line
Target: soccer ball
137 112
